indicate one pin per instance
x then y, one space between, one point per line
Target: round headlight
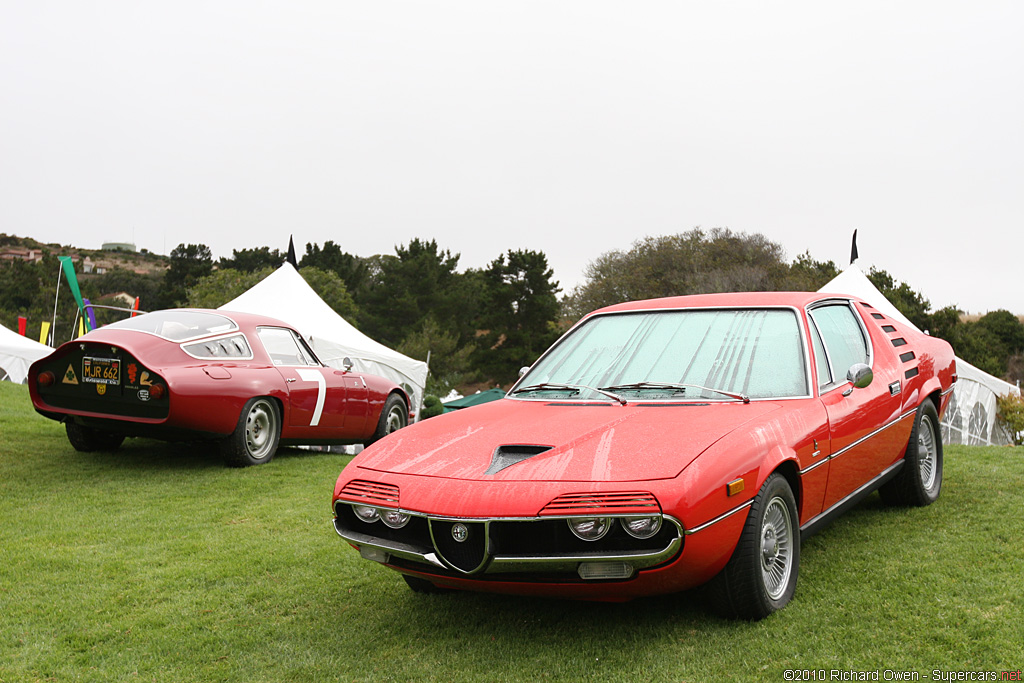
366 513
394 518
641 527
590 528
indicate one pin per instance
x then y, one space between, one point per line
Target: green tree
522 309
189 263
352 269
807 275
450 363
252 260
976 344
910 303
694 262
331 288
420 280
223 285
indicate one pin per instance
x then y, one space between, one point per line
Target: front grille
467 555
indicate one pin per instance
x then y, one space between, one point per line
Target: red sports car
247 381
660 445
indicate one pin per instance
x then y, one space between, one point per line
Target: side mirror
347 364
860 375
523 370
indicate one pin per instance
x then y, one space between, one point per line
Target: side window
842 337
284 348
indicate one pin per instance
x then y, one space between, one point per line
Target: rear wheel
760 577
255 439
87 440
394 416
920 480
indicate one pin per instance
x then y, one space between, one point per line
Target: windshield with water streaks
698 354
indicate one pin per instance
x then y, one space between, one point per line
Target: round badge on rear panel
460 533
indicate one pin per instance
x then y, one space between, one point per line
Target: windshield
706 354
177 324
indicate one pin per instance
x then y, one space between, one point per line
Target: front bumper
508 549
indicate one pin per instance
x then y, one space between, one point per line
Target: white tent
971 416
17 353
286 296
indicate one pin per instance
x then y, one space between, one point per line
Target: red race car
247 381
660 445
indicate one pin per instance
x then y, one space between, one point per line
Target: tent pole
53 325
419 411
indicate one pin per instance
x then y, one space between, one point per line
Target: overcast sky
572 127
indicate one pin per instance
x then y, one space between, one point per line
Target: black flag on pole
291 253
853 250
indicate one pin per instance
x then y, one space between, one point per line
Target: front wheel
920 480
255 439
760 577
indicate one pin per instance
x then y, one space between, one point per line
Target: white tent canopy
17 353
285 295
971 416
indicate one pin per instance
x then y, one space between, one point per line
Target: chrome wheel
927 453
396 419
260 430
776 548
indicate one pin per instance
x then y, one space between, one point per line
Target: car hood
566 441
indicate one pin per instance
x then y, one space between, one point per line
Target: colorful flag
68 267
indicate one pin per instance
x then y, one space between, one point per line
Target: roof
727 300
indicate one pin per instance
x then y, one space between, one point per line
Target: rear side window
840 333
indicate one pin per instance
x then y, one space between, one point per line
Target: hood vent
506 456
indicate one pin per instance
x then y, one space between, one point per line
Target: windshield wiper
678 387
548 386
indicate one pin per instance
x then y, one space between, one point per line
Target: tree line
481 324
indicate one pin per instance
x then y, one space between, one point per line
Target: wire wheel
927 452
776 548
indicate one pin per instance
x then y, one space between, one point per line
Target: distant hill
95 260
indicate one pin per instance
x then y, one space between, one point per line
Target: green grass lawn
157 563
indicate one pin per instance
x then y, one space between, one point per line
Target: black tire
255 439
761 575
393 417
419 585
88 440
920 480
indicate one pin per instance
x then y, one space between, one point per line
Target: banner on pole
68 267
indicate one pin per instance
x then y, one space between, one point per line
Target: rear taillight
46 379
157 391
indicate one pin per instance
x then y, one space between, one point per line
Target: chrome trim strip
730 513
813 467
859 441
856 493
503 563
950 390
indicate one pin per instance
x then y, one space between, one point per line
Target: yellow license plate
101 370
